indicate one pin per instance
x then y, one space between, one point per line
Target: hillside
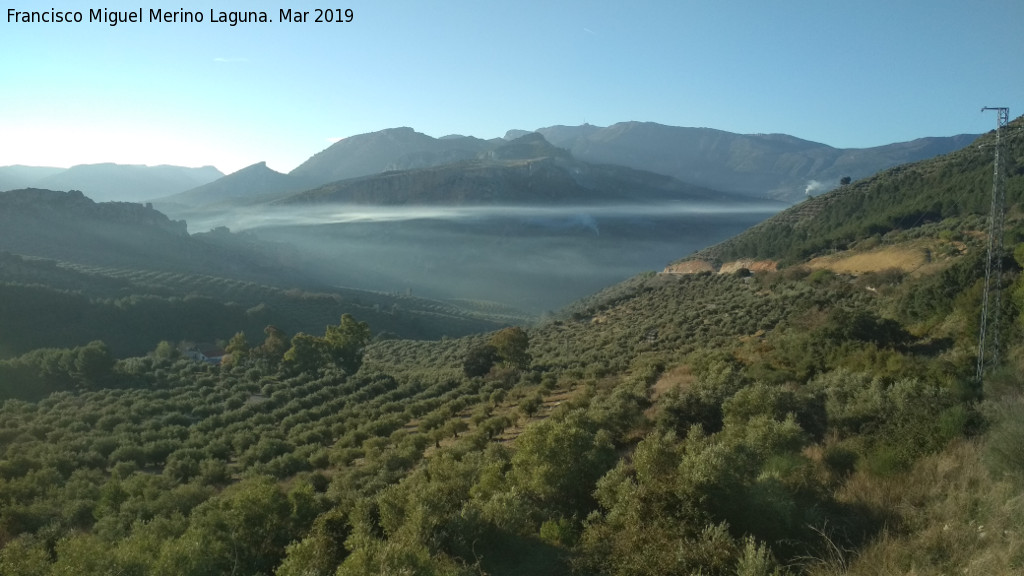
386 150
524 171
73 270
773 165
783 422
60 304
764 422
952 191
70 226
249 183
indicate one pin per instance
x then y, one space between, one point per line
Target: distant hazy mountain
761 165
56 224
513 134
527 170
69 226
249 182
773 165
387 150
110 182
18 176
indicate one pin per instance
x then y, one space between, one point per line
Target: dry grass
906 259
676 378
680 377
952 517
916 257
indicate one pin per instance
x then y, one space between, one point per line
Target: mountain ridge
775 165
386 150
249 182
957 184
526 170
107 181
71 226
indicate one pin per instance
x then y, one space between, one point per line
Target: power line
994 260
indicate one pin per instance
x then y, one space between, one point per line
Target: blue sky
848 74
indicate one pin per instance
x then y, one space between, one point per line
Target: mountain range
775 166
110 182
525 171
767 165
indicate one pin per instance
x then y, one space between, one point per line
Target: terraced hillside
50 303
791 421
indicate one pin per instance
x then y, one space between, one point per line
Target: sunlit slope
789 422
955 186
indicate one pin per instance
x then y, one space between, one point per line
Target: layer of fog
240 219
533 259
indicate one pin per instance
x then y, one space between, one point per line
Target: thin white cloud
223 59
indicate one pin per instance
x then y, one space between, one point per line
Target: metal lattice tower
994 261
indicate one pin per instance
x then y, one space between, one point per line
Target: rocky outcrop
689 267
699 266
752 265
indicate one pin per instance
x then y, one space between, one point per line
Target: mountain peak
515 133
259 166
387 150
527 147
249 182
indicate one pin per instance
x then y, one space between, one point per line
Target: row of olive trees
342 346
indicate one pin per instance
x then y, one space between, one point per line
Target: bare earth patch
911 258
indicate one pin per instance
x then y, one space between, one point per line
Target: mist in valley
532 259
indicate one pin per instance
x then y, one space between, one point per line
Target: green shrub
840 459
560 531
1004 449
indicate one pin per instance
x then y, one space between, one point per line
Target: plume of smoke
815 187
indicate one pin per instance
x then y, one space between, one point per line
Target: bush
1004 451
479 360
561 532
840 459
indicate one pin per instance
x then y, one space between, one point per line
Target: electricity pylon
994 261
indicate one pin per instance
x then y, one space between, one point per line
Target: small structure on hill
208 353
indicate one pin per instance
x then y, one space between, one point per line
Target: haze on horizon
849 76
249 218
